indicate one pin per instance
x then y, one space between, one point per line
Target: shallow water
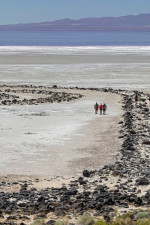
73 38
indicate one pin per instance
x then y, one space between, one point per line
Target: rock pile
36 95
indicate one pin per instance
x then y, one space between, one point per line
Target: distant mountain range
139 22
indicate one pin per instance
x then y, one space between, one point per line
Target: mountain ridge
139 22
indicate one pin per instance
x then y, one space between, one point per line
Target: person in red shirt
101 108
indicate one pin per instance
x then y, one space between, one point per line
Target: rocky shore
124 186
13 95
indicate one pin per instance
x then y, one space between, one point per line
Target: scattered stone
86 173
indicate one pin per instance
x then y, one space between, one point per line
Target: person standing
96 107
149 99
104 108
101 108
136 99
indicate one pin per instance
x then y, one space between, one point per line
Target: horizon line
22 23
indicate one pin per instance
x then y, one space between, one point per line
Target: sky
28 11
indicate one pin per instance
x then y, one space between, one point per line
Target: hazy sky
26 11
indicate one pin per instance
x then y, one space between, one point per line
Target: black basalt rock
86 173
142 181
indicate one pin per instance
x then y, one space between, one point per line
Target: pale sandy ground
96 142
74 55
117 67
94 145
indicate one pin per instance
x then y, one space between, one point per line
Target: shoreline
124 185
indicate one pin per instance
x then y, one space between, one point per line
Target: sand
49 145
81 139
117 67
89 146
74 55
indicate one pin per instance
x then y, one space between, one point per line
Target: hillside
139 22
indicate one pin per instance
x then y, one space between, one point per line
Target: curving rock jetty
124 185
14 95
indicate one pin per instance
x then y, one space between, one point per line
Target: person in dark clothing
104 108
149 99
136 99
96 108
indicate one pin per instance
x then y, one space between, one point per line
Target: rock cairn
123 185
